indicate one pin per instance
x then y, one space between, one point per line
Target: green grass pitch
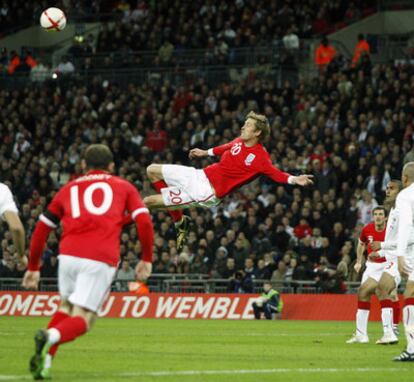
176 350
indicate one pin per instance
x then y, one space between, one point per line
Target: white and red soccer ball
53 20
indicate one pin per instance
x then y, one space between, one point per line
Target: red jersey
92 211
370 234
239 165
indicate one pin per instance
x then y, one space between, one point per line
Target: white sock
362 321
409 333
48 361
408 319
387 317
54 336
408 315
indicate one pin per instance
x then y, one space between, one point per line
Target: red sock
365 305
71 328
58 317
177 215
396 309
387 303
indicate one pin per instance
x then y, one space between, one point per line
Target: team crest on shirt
235 149
249 159
370 239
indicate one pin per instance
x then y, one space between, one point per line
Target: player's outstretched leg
181 221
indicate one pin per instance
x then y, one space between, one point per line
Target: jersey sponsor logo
236 148
250 158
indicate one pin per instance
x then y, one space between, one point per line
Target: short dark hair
380 208
398 183
98 156
360 36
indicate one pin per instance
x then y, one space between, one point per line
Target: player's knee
149 201
153 172
65 306
382 293
363 294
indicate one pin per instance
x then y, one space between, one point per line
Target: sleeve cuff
291 179
210 152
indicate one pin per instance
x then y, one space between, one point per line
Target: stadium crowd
170 30
351 127
147 25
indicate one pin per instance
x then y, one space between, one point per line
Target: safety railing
213 75
191 283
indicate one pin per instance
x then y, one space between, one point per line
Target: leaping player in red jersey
374 231
92 211
241 161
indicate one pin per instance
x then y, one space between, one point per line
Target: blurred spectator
278 276
65 67
324 54
241 283
365 207
125 273
40 72
291 41
361 49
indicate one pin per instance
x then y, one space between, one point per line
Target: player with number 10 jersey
92 210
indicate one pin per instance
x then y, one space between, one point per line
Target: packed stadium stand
351 126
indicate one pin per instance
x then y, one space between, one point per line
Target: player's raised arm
142 218
48 221
218 150
283 177
9 212
17 232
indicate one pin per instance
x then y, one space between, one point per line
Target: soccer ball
53 20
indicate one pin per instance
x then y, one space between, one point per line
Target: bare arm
198 153
218 150
17 232
360 255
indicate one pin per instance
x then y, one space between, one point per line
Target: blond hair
262 124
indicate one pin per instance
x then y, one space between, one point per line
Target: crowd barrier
192 306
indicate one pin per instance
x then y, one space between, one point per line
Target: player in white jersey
390 278
405 253
9 213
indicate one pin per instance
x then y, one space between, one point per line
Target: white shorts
409 261
187 187
391 267
373 271
84 282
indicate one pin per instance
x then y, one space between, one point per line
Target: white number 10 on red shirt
108 196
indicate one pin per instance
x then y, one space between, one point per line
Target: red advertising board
191 306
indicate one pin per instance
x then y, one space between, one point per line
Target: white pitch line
258 371
184 373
